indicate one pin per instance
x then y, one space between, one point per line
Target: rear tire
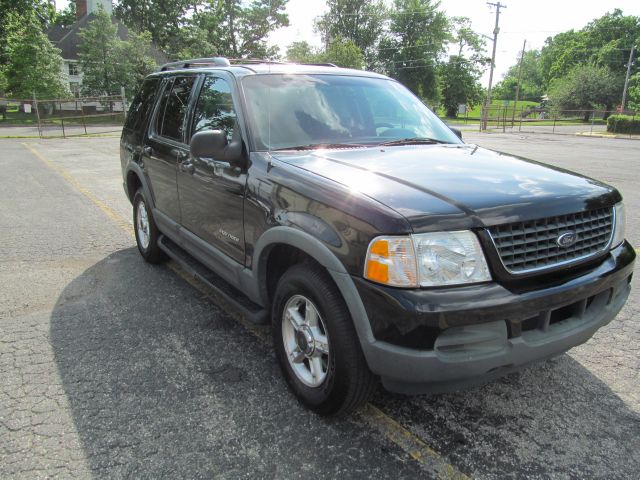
146 231
316 343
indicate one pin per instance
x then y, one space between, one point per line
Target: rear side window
173 108
141 105
214 110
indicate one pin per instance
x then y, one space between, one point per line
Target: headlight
620 219
427 260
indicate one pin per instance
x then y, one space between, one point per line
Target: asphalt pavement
113 368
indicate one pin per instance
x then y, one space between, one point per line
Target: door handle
148 151
187 167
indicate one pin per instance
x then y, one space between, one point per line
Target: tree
411 49
585 87
67 16
39 11
109 63
606 42
33 65
233 29
634 92
302 52
162 18
460 75
531 83
358 21
100 57
343 53
460 85
138 60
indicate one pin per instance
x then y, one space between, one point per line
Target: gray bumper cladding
471 355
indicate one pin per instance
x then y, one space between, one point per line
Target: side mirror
457 131
214 144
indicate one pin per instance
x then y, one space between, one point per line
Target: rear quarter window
141 106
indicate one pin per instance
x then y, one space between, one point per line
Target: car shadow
162 382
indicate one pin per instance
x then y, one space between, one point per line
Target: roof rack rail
320 64
251 61
195 63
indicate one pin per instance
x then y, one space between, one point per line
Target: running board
252 311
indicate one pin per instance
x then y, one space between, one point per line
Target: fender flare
325 257
135 168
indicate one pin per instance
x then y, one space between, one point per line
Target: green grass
30 119
476 111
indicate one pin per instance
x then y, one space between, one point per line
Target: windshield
290 111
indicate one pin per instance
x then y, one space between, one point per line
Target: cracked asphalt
112 368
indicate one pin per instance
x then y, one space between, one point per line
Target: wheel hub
305 340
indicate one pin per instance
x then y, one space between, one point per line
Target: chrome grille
531 245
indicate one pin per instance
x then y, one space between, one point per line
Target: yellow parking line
410 443
372 416
109 212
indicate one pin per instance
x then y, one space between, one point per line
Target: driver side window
214 110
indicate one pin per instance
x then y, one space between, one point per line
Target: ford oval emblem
567 239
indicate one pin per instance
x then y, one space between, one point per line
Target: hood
456 186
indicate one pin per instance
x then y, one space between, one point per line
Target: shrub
623 124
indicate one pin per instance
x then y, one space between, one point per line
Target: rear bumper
486 331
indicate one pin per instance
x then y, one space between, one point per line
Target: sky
533 20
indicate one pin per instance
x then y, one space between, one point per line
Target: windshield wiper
411 141
314 146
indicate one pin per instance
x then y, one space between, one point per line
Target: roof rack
195 63
226 62
320 64
252 61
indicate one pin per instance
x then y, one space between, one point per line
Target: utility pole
496 30
626 81
515 105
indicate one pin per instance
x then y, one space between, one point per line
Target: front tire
146 231
316 343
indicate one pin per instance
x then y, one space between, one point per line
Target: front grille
531 245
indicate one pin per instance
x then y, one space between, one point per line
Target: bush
623 124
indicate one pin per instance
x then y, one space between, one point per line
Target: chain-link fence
531 119
62 117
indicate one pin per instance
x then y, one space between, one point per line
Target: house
68 40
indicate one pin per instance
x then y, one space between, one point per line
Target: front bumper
486 331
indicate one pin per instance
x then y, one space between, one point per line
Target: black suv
335 205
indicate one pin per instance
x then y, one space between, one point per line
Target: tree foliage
302 52
531 84
606 42
634 93
358 21
162 18
109 63
412 47
602 47
67 16
460 75
343 53
38 12
238 30
34 65
585 87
